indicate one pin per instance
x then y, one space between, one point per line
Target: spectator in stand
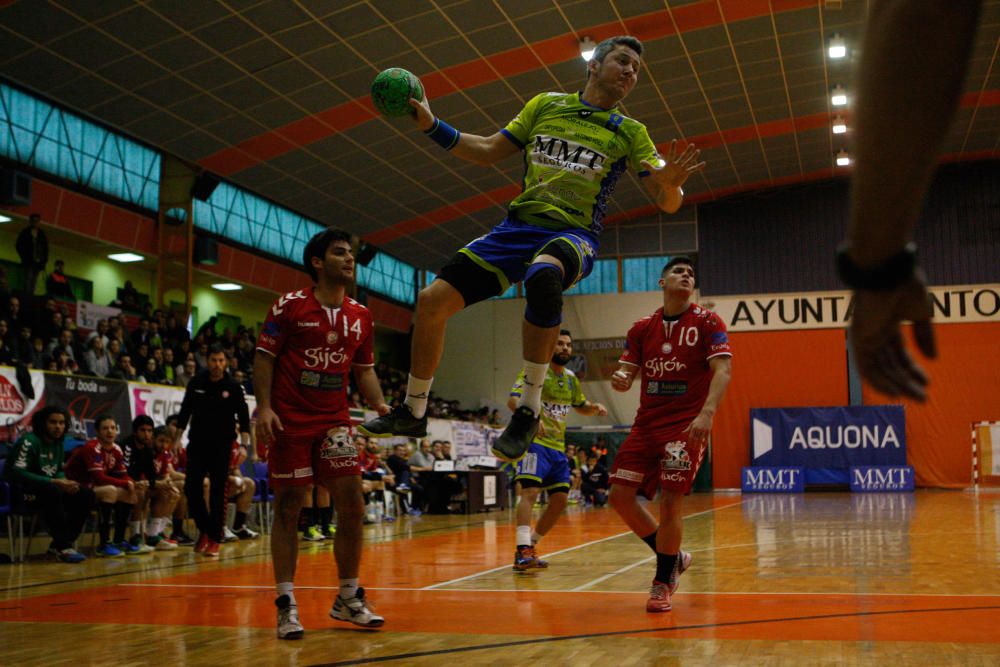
100 330
15 318
129 297
400 468
57 284
49 323
167 365
100 465
39 360
155 339
7 356
595 484
186 372
446 454
243 381
495 419
115 329
33 249
36 465
201 356
23 348
139 356
4 292
437 451
62 363
140 335
124 370
114 350
422 460
63 343
152 373
176 333
96 360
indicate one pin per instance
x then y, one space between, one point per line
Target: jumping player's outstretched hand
267 424
881 356
621 380
425 117
677 167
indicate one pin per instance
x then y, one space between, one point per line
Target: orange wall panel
778 369
965 388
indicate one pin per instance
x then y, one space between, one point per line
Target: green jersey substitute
574 154
559 394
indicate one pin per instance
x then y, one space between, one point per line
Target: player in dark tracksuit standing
213 403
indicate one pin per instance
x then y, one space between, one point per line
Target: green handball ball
392 89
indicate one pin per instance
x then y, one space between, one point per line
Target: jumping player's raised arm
470 147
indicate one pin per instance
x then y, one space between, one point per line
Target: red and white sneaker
659 597
202 544
683 563
212 550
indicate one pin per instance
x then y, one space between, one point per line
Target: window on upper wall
40 135
642 274
602 280
389 276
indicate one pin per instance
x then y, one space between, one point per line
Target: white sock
136 527
348 588
417 390
151 525
161 524
535 538
523 535
287 588
534 379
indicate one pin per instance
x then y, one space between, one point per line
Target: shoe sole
371 434
658 610
376 624
503 456
296 634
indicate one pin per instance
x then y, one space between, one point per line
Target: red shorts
662 458
302 458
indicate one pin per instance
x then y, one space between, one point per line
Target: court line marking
568 549
647 631
520 591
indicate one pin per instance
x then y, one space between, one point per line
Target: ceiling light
125 257
838 47
227 287
587 48
4 218
839 126
839 96
843 159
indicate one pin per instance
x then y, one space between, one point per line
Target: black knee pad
543 291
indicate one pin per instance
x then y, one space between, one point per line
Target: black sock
651 540
178 527
240 520
665 566
325 516
104 513
122 513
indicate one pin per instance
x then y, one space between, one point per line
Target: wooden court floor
814 579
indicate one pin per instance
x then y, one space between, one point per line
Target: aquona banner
595 359
86 398
827 442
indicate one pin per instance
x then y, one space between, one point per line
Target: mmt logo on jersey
568 155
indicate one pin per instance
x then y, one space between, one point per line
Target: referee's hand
267 424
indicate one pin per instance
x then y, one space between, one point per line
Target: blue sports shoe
108 550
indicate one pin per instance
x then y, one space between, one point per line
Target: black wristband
888 275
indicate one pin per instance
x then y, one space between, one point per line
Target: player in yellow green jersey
575 147
545 465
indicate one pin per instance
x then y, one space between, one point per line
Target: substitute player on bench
311 340
575 146
682 352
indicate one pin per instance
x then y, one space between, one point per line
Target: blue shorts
546 466
509 248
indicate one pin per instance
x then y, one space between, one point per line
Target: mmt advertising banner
828 442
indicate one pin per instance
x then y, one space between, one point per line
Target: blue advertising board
772 480
882 478
828 442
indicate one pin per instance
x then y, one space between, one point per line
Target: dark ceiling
273 95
